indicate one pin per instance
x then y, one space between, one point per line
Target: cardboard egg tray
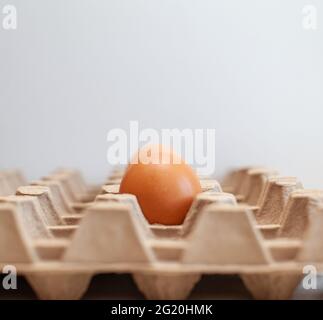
59 232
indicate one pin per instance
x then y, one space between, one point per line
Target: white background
75 69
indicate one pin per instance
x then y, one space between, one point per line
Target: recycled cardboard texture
59 232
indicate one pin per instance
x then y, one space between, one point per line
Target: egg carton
59 235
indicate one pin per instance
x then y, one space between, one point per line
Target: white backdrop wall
75 69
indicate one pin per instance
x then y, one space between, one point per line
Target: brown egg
164 189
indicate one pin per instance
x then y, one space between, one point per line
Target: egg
165 186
